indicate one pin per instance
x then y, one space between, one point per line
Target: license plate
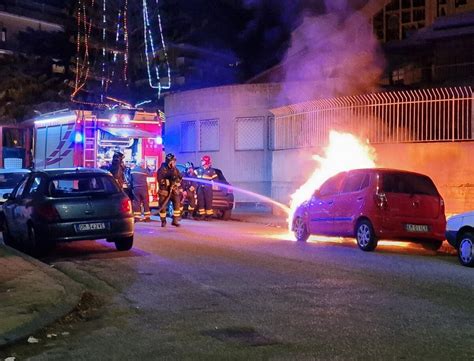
416 227
88 227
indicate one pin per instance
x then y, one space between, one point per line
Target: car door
11 208
349 202
321 206
26 204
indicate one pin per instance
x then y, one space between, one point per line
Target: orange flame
344 152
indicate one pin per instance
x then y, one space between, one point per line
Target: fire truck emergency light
78 137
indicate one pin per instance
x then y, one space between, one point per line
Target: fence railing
425 115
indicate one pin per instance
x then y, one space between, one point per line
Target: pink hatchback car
370 204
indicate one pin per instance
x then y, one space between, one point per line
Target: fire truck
15 146
85 138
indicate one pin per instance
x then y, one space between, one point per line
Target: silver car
62 205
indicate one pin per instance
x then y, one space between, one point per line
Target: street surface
241 291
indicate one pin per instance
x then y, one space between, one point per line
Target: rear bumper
66 232
437 229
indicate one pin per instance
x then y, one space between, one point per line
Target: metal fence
425 115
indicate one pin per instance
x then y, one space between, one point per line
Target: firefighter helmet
169 158
206 160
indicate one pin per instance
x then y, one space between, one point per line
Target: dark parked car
370 204
61 205
223 196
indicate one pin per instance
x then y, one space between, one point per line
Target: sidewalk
32 295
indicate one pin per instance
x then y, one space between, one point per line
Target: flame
344 152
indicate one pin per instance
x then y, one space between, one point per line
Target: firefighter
169 183
189 190
204 192
117 168
139 185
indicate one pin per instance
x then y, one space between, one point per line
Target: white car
460 234
9 178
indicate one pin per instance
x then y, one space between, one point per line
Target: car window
34 185
10 180
408 183
82 185
331 186
353 182
19 191
220 176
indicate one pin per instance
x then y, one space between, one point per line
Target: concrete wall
249 169
450 165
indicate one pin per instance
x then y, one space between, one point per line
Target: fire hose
165 203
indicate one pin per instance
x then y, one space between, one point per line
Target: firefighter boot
175 222
163 222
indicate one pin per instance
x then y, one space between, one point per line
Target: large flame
344 152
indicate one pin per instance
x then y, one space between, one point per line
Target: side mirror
6 196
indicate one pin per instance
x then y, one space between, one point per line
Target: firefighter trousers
140 198
175 199
205 201
190 201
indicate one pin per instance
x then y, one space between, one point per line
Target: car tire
124 244
365 236
226 214
35 247
466 249
300 230
432 244
7 237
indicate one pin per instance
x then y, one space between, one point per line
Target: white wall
249 169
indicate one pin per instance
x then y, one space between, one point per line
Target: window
209 135
34 186
17 194
353 182
82 185
459 3
188 136
250 133
331 186
408 183
13 137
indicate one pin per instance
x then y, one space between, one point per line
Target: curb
72 295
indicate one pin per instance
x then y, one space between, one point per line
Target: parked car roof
14 170
53 172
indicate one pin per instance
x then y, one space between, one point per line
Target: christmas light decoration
103 61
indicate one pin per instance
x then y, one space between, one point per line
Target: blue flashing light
78 137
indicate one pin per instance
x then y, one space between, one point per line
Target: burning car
370 204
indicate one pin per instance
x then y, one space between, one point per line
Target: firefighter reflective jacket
138 176
168 177
208 174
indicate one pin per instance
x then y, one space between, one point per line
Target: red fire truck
84 138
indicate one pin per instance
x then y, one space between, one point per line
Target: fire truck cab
84 138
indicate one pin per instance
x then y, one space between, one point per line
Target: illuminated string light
149 45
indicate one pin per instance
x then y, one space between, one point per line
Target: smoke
331 55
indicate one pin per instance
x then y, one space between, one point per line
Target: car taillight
380 200
47 212
126 206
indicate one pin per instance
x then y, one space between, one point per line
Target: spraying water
243 191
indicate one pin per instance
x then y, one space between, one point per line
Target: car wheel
432 244
124 244
300 230
226 214
365 236
35 246
466 249
7 237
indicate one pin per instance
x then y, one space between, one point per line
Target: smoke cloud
331 55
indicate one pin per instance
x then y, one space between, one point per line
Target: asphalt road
240 291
